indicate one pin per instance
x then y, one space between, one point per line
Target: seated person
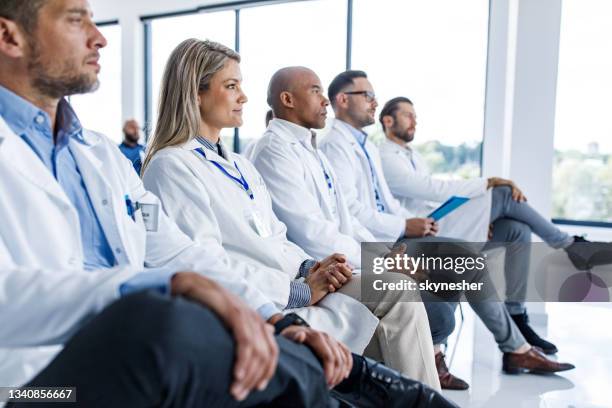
97 292
511 217
216 195
358 169
130 147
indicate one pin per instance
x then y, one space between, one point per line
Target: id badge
258 224
150 216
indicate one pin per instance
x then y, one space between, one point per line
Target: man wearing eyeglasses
352 98
357 164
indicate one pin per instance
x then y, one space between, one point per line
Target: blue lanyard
242 181
327 178
379 203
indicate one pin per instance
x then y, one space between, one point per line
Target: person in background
130 147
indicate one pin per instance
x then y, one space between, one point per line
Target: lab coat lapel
363 160
23 159
314 168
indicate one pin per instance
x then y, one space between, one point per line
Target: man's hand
323 280
421 227
256 349
332 259
335 356
517 194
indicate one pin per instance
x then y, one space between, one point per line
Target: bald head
295 94
287 79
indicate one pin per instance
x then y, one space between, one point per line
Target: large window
312 34
167 33
101 110
435 53
582 174
431 51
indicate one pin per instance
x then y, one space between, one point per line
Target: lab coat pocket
137 236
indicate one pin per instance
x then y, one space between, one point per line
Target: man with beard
130 147
512 219
357 165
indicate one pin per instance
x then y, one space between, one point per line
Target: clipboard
449 206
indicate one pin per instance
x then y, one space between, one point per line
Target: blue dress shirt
134 154
362 137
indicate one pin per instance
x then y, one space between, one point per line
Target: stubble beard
67 82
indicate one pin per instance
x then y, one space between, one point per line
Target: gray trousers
513 223
491 311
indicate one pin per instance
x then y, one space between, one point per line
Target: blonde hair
188 72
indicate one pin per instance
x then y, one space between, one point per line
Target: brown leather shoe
533 361
447 380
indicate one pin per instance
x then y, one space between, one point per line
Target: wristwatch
290 319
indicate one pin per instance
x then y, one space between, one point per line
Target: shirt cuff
267 310
305 268
157 280
299 295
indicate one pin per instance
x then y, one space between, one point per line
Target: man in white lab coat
511 217
358 167
88 260
305 196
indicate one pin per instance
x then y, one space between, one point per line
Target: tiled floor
583 334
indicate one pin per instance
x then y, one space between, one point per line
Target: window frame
236 6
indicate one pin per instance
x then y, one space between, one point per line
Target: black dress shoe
379 386
522 322
586 254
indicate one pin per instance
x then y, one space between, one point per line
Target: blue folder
449 206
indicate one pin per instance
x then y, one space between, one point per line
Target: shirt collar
403 147
359 134
20 115
217 148
301 133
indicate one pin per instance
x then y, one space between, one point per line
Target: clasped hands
327 276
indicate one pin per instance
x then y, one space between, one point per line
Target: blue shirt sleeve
158 280
305 268
268 310
299 295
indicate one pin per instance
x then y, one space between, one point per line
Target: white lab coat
353 172
45 294
208 205
317 217
411 182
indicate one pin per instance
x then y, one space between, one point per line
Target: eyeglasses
369 96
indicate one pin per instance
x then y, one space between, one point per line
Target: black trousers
148 350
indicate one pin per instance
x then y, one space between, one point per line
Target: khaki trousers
402 339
